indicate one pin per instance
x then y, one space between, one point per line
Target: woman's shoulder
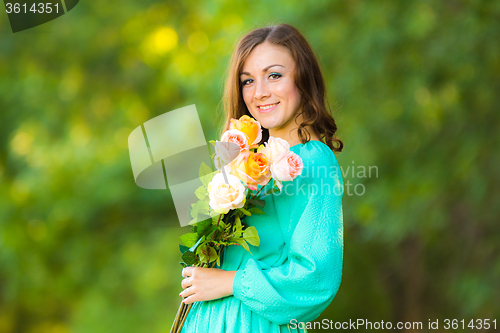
315 153
319 163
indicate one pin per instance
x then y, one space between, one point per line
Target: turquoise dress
296 271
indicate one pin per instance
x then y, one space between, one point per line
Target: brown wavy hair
308 79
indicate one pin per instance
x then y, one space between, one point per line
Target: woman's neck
292 137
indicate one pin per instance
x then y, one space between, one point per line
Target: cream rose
225 153
286 167
274 147
226 196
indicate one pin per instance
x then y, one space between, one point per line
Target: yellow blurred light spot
198 42
80 134
19 191
21 143
422 96
162 40
36 229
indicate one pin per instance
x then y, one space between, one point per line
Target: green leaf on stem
237 223
202 226
257 202
189 239
201 193
271 190
199 207
222 225
251 236
204 170
183 248
206 253
202 239
244 211
205 174
241 242
189 258
256 210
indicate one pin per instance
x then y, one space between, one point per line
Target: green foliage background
414 87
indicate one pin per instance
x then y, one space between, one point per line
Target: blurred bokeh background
414 87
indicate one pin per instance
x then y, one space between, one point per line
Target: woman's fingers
189 295
190 299
203 284
185 283
187 271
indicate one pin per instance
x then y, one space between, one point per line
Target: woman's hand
205 284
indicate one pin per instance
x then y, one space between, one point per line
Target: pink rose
237 137
286 167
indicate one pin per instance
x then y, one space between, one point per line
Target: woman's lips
269 109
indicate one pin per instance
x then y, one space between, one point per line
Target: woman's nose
261 90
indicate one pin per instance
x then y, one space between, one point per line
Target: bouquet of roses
230 194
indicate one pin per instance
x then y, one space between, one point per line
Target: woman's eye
245 82
275 75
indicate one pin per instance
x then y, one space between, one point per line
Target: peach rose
252 168
273 147
250 127
286 167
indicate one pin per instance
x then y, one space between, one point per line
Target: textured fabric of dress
296 271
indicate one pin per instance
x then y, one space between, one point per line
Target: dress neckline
303 144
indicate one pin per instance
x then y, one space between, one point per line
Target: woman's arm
204 284
306 283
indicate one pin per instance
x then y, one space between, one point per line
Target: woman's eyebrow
264 70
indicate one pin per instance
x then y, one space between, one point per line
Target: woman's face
269 90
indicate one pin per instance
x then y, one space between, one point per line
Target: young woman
296 271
